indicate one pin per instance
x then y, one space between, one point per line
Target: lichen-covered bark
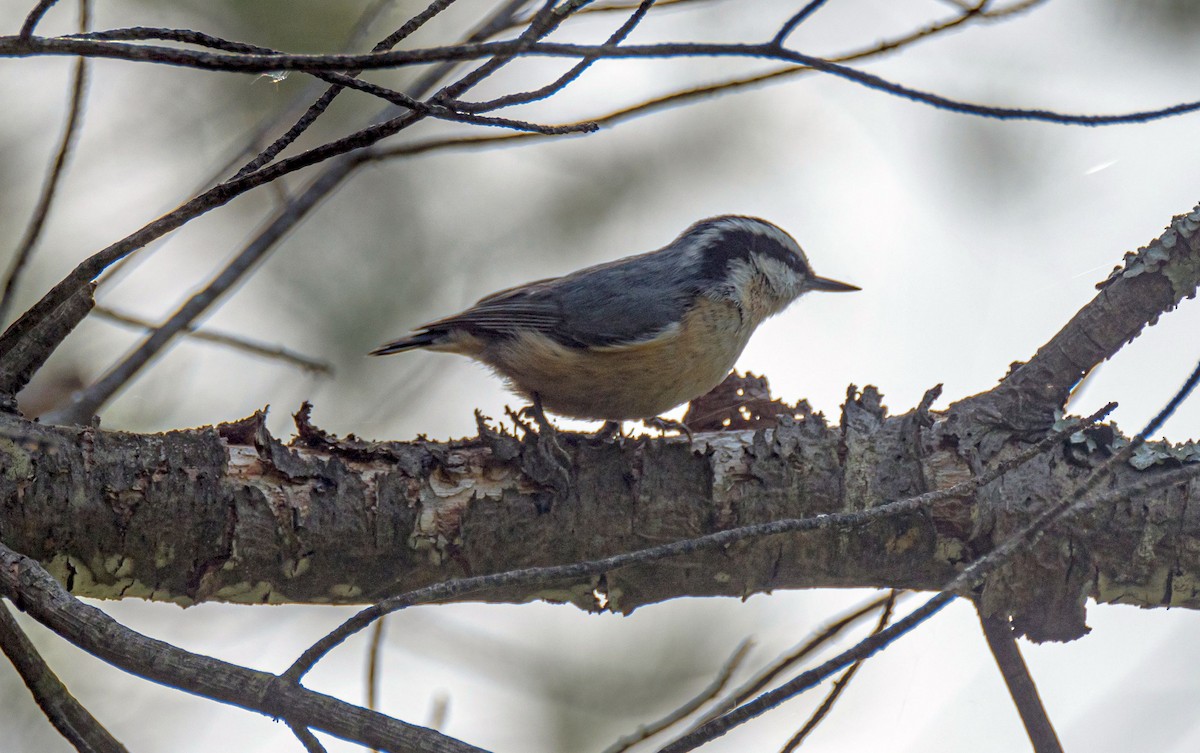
232 514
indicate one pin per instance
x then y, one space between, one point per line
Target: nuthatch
633 338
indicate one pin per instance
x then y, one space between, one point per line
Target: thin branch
16 46
969 578
373 673
678 98
839 685
597 8
574 571
792 658
26 352
864 649
339 80
237 342
626 7
1024 692
564 80
263 156
544 21
85 403
270 123
798 18
211 199
645 732
67 715
89 628
35 17
1017 7
315 110
1169 409
37 222
307 738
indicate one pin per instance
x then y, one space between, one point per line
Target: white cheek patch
765 288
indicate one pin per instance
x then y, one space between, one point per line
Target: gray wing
624 301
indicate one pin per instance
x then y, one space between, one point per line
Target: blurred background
974 240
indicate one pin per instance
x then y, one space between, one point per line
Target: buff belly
628 381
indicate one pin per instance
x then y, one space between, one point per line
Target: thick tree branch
232 514
1152 282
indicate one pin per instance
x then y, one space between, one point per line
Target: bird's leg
535 411
669 424
549 449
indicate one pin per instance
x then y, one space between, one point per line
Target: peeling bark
230 513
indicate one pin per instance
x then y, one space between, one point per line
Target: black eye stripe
722 245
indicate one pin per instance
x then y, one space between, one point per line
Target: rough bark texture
232 514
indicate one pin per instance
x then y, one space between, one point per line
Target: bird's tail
412 342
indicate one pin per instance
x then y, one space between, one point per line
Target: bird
633 338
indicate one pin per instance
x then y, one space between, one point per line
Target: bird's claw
669 424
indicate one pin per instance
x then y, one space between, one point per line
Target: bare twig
35 17
67 715
546 20
265 155
1024 692
645 732
85 403
681 97
247 63
1008 10
307 738
92 630
37 222
792 658
616 7
562 81
1169 409
215 197
811 678
339 80
237 342
798 18
315 110
373 673
839 685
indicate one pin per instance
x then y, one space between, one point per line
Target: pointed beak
831 286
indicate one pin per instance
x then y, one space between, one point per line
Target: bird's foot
669 424
553 466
